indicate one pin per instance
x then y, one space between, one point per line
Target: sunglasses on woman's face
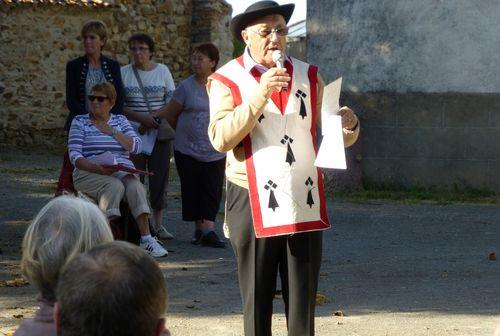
100 99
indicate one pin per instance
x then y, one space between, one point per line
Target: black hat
258 10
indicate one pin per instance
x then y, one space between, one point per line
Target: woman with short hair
100 139
148 87
200 166
82 74
64 227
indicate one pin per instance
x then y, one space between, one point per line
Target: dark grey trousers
159 164
297 257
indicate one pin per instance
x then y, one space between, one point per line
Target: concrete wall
296 47
38 39
421 75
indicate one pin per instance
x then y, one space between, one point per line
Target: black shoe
196 240
211 239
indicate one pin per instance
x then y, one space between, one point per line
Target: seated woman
100 132
65 227
82 74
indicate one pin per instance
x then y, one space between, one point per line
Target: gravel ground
389 268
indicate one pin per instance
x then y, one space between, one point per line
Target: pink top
42 324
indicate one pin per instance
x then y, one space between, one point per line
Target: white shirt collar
249 63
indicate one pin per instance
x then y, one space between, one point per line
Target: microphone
279 59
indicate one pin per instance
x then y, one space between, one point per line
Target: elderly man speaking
264 109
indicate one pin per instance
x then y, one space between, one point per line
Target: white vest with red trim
286 189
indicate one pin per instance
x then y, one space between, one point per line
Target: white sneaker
153 248
162 233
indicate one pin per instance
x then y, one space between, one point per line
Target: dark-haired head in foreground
114 289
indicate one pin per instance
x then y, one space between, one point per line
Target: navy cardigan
76 74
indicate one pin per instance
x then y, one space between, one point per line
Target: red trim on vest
285 94
322 224
260 231
247 146
235 91
313 79
240 60
252 186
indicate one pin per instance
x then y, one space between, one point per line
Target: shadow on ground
379 257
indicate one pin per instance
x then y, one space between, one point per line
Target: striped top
86 141
158 86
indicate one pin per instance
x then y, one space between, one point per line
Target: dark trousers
159 164
297 257
201 186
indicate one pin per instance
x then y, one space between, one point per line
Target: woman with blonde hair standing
82 74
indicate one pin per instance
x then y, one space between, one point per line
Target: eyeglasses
139 49
100 99
91 36
198 57
269 32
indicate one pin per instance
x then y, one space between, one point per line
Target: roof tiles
87 3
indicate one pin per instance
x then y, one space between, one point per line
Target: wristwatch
114 132
355 126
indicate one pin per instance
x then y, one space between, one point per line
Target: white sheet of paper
330 104
331 153
148 141
106 158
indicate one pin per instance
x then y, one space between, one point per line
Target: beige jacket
229 124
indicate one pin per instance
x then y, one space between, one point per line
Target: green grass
34 188
26 170
458 194
9 152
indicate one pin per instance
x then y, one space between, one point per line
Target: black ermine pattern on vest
290 157
260 118
309 184
303 112
273 203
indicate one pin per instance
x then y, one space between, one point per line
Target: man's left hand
349 119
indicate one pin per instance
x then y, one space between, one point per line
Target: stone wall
38 39
421 75
211 24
